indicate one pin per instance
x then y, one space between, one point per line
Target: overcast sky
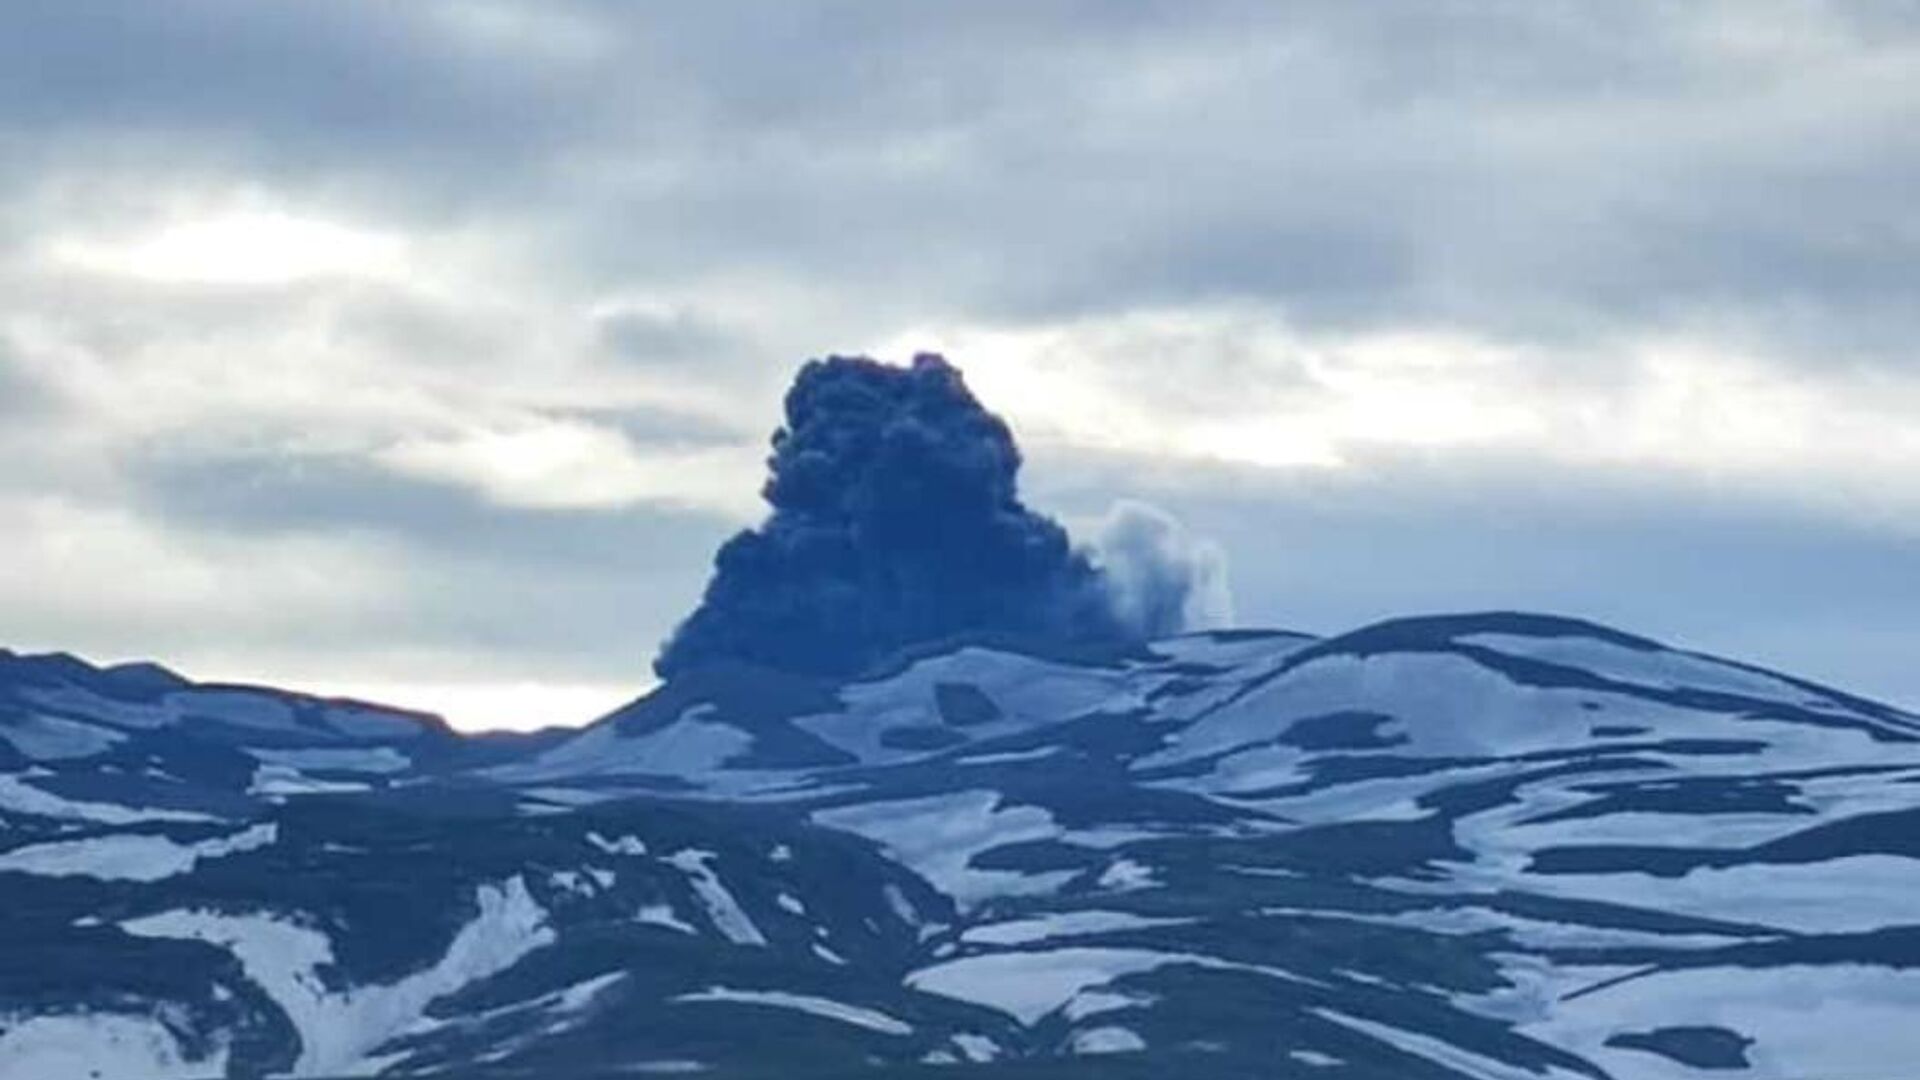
425 350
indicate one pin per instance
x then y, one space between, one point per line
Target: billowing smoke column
897 520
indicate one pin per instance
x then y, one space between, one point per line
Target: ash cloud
897 520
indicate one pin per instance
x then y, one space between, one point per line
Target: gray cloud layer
1541 166
600 236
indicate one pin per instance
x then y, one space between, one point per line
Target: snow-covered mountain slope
80 743
1473 846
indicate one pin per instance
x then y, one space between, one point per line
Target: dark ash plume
896 520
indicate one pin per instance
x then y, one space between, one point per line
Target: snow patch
340 1029
1061 924
1094 1002
662 915
690 746
1659 669
380 759
1125 875
286 780
1841 1020
871 1019
1446 1055
19 797
727 914
625 845
131 856
1107 1040
50 738
1850 894
976 1048
1029 693
1010 756
242 708
1029 985
938 836
99 1046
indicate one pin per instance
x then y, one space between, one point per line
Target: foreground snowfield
1473 846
